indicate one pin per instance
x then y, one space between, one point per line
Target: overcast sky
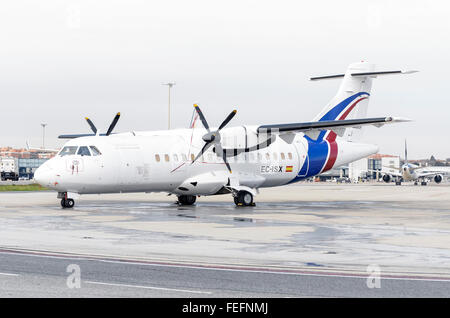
63 60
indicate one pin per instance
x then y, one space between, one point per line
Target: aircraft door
303 158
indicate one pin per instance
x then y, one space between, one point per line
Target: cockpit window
95 151
83 151
68 150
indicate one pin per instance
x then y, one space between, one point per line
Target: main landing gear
186 199
243 198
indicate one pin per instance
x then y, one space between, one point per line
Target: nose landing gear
67 203
66 200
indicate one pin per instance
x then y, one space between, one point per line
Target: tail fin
352 98
354 90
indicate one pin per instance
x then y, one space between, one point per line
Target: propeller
111 126
213 137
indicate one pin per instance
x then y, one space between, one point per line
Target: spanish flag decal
288 168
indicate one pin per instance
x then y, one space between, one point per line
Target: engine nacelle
387 178
437 178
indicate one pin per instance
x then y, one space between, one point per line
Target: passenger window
95 151
157 158
259 157
275 157
184 157
267 156
166 158
175 158
289 155
68 150
282 156
83 151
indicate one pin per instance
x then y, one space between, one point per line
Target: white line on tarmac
231 269
9 274
268 271
149 287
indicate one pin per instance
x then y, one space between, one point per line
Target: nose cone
44 175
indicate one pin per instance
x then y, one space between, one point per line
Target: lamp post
170 84
43 135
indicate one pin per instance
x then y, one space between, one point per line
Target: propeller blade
218 149
205 147
224 157
113 124
91 124
227 120
202 118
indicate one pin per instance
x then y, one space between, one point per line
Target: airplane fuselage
161 161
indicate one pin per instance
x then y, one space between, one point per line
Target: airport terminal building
369 168
21 163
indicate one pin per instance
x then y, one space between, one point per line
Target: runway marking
283 272
230 268
9 274
149 287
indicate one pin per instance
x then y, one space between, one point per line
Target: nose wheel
67 203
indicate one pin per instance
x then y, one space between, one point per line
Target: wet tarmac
321 229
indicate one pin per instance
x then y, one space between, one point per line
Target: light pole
43 135
170 84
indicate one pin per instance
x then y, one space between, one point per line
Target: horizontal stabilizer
362 74
318 78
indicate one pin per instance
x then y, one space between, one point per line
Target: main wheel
244 198
424 183
187 199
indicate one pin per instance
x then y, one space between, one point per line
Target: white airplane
412 172
210 161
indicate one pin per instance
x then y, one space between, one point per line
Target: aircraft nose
43 175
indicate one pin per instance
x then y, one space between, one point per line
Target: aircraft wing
391 172
430 174
312 129
41 149
73 136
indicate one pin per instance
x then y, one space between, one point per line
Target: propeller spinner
213 137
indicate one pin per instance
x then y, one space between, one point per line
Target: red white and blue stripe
322 153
